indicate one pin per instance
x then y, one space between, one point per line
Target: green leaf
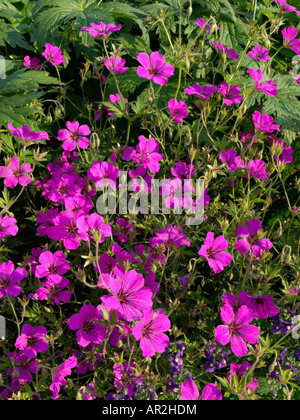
9 35
285 107
27 80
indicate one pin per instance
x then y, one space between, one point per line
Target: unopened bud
189 11
285 256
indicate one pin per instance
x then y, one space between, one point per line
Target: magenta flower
115 64
129 296
264 122
150 331
231 94
26 136
9 279
65 229
213 251
32 63
250 241
92 226
178 110
89 330
240 371
146 152
15 173
189 391
153 67
183 170
52 266
203 92
54 292
262 306
8 226
286 8
202 24
231 159
259 53
23 366
141 180
269 88
75 134
101 30
173 237
60 372
237 329
124 230
125 378
178 193
230 53
115 99
289 39
282 153
257 169
62 188
104 174
234 302
53 54
32 340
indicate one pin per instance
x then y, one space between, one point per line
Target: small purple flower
59 375
26 136
9 279
231 159
53 54
230 53
52 266
289 39
15 173
237 329
125 378
129 296
262 306
172 237
240 371
89 330
264 122
115 99
32 63
8 226
203 92
54 292
115 64
150 331
259 53
23 366
73 135
101 29
250 240
124 230
286 8
178 110
257 169
153 67
92 226
32 340
183 170
189 391
269 88
177 193
103 173
213 251
146 152
171 385
231 94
